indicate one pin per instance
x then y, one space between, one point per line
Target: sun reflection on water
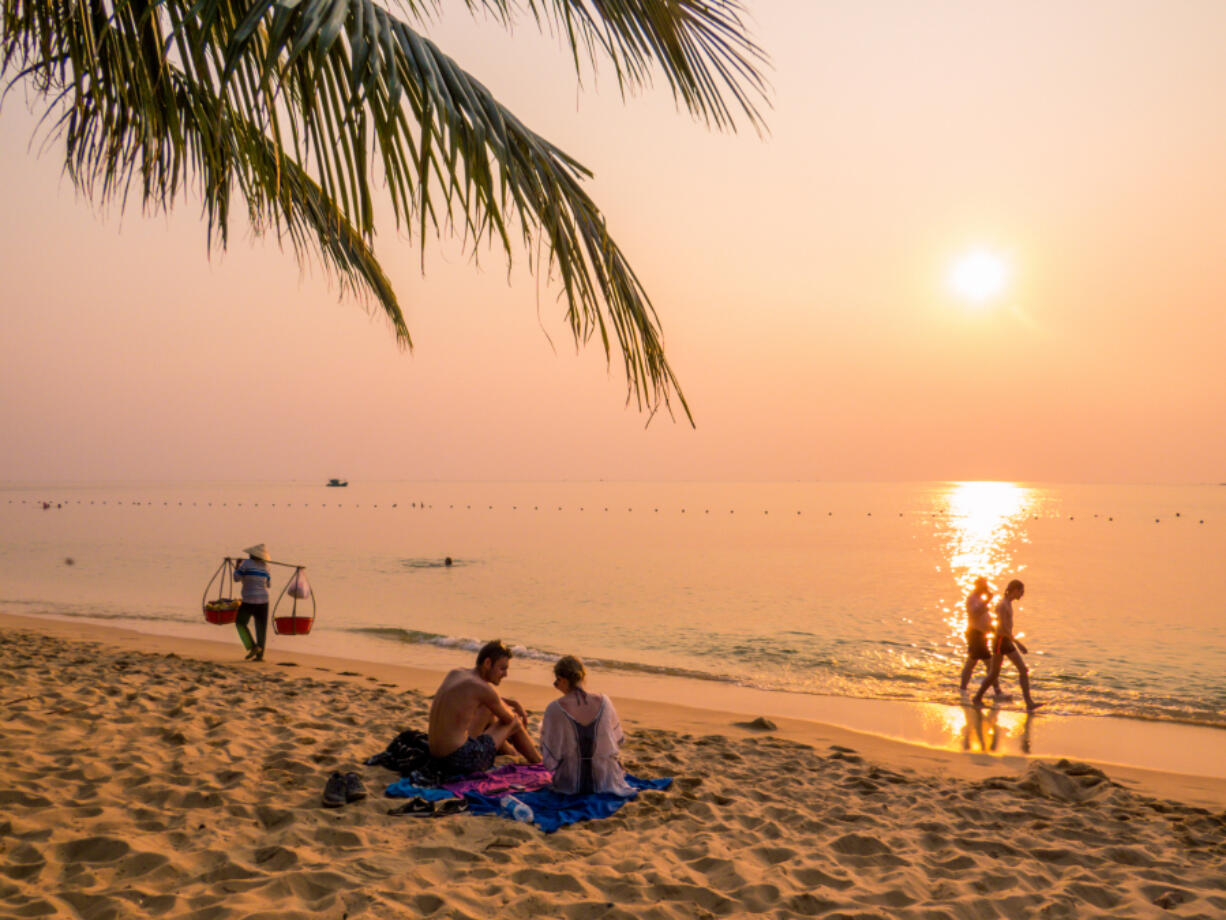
985 520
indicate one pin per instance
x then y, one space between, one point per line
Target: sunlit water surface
851 590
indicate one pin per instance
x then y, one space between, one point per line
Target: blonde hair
570 669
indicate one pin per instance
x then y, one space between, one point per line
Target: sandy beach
153 777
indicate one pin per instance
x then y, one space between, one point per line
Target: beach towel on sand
511 779
551 810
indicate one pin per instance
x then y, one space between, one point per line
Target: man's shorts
977 645
476 755
1004 645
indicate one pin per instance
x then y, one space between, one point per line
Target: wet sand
145 776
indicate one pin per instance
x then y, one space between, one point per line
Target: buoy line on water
49 504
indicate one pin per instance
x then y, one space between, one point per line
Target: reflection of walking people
988 732
253 573
978 625
1007 645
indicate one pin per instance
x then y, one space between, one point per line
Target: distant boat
337 483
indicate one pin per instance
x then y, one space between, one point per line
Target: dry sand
146 777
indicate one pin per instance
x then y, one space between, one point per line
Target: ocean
824 589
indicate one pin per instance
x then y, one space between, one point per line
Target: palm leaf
300 105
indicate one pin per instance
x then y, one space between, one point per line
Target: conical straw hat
258 552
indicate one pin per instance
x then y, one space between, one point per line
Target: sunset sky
805 279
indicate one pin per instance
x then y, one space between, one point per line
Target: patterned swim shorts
476 755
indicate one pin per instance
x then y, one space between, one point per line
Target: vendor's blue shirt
256 581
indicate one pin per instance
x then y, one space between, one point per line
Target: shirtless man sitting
470 724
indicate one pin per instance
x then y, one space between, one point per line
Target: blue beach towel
404 789
552 810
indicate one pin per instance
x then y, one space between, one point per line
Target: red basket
220 616
293 626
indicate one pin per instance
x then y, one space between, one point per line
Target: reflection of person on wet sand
978 625
972 728
984 727
1007 645
470 724
975 729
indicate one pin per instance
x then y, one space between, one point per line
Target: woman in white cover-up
581 736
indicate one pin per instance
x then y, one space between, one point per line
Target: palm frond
133 120
299 104
702 47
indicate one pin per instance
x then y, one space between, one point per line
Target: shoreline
908 733
150 777
1152 745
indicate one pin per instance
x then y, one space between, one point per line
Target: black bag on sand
408 753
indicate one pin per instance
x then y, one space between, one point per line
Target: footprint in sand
553 882
275 858
25 862
816 878
93 850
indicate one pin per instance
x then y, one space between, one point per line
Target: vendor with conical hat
253 573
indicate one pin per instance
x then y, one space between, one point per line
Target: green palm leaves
302 106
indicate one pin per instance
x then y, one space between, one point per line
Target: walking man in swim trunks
470 723
978 625
1007 645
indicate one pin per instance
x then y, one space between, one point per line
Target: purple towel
503 780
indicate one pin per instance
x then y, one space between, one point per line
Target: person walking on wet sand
978 625
253 573
1007 645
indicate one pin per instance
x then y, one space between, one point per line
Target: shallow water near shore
807 591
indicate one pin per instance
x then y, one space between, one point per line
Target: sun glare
978 276
986 518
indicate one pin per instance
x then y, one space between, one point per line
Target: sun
979 276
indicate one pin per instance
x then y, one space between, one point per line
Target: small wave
94 612
863 679
777 667
461 643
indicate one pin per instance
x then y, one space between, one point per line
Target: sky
802 278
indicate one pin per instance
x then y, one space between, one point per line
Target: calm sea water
841 589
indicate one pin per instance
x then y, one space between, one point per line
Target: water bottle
514 808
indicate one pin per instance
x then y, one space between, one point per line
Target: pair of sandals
422 808
256 654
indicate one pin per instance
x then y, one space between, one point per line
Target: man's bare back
464 707
467 706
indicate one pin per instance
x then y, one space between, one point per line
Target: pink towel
511 778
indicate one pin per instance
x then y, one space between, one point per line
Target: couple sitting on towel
470 724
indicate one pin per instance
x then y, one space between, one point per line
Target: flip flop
414 808
451 807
